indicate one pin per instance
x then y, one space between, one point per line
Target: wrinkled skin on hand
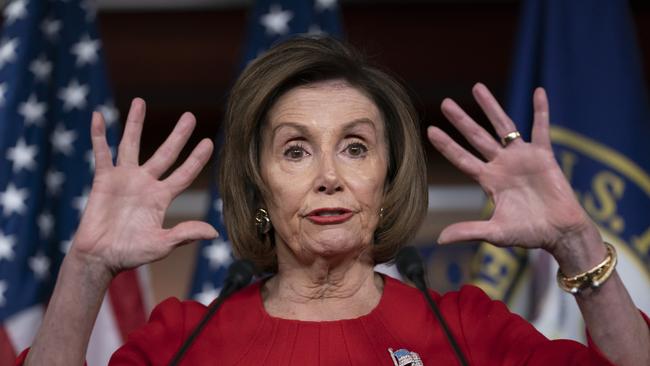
121 226
534 205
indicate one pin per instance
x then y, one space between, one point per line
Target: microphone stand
410 265
239 275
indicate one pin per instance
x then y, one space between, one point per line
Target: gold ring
512 136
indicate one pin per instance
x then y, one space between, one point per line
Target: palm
534 205
122 223
127 199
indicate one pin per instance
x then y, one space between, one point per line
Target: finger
458 156
189 231
467 231
129 148
187 172
168 152
101 151
540 134
475 134
502 124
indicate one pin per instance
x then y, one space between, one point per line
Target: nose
328 180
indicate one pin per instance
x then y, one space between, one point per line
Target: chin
335 242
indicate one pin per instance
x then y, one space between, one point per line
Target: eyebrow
359 122
302 129
305 131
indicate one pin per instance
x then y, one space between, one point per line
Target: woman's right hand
121 227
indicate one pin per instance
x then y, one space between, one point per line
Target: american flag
52 76
270 21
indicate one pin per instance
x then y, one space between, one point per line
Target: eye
356 149
295 152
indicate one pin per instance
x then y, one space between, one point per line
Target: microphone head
409 264
241 273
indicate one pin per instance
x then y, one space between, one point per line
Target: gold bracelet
593 278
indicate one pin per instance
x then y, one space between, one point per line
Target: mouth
329 216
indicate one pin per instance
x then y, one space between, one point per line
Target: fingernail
137 102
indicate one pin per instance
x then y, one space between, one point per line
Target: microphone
240 274
410 265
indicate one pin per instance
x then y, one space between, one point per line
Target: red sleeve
493 335
158 341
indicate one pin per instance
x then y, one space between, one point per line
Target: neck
323 289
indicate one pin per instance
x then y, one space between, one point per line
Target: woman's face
324 159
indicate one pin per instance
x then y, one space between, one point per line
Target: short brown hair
296 62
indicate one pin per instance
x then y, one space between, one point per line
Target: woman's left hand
534 205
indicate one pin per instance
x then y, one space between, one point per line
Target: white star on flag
65 246
110 113
45 224
90 8
40 264
276 21
315 30
32 111
62 140
86 50
6 247
41 68
79 203
218 205
53 181
3 289
3 91
51 28
325 4
8 51
13 200
74 95
90 158
218 253
22 155
15 10
208 294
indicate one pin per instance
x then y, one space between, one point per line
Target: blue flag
52 76
584 53
270 21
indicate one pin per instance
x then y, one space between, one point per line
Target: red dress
242 333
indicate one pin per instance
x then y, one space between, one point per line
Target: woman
323 151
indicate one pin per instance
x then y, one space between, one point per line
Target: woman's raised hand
121 226
535 206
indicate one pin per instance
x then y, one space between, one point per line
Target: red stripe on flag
7 352
126 299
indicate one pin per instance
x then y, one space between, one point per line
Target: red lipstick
329 215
